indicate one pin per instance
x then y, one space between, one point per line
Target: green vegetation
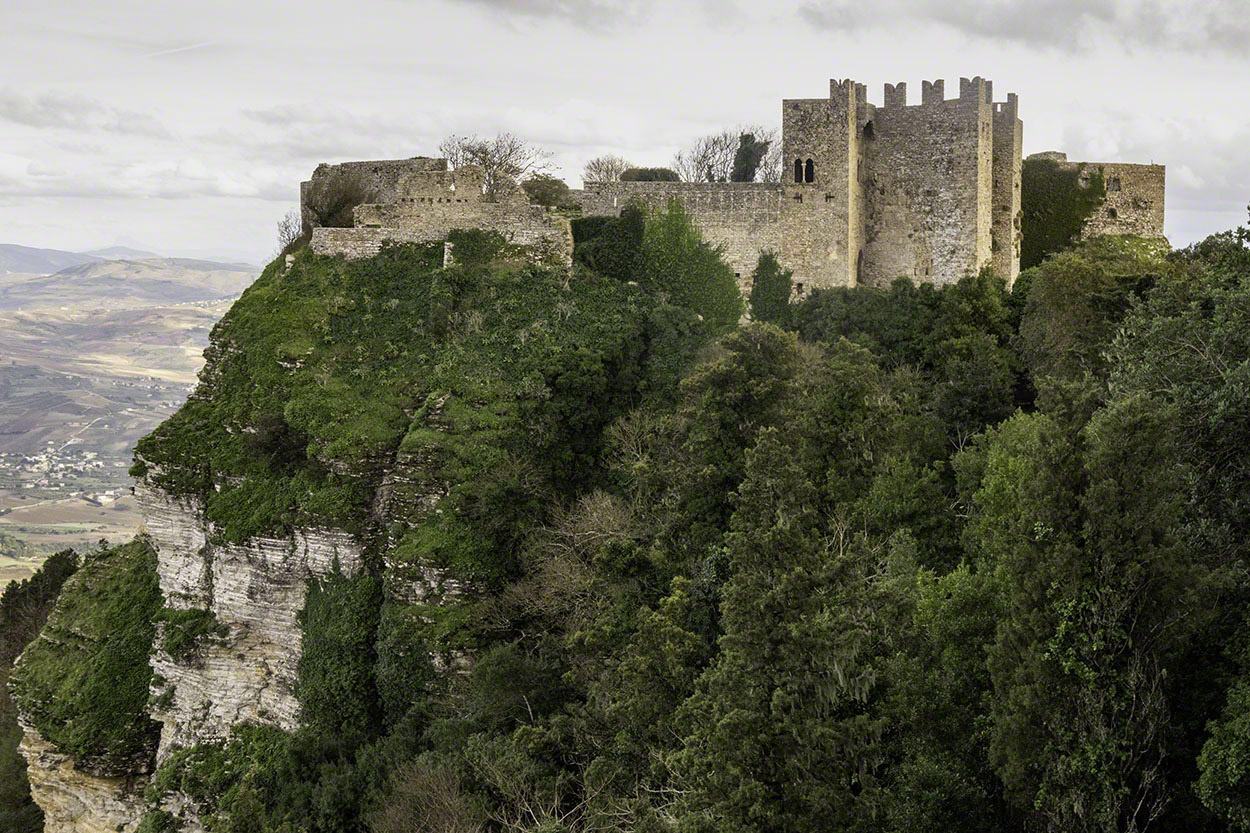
544 189
13 547
747 157
1054 205
649 175
316 374
24 607
186 630
924 558
84 682
771 288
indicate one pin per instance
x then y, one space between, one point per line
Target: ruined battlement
1133 200
421 201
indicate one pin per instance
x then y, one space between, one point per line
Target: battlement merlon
975 89
896 95
1009 108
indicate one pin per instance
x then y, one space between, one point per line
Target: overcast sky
186 127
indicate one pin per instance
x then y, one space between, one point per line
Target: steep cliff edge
358 468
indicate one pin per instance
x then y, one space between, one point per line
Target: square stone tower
822 220
929 192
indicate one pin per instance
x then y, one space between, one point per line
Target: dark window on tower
869 133
809 171
859 267
798 170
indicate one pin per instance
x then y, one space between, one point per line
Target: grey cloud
1065 25
591 14
74 112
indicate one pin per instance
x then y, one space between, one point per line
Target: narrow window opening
798 288
869 131
809 171
859 267
798 170
1113 213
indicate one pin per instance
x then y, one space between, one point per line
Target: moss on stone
1055 201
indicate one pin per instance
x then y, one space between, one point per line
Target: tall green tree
771 287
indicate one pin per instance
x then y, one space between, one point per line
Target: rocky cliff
366 440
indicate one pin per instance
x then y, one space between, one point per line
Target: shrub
544 189
650 175
770 292
336 688
610 246
675 260
84 682
186 630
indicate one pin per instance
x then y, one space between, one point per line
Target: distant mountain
121 253
31 261
116 284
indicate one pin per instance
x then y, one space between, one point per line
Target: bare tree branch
606 168
503 159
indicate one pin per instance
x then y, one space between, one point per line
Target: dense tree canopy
907 559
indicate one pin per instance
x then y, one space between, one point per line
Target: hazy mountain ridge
128 283
28 260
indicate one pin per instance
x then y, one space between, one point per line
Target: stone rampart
1134 203
743 218
380 177
428 204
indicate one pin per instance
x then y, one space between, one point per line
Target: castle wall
743 218
1134 207
381 176
930 187
427 205
1005 231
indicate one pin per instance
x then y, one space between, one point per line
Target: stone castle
869 193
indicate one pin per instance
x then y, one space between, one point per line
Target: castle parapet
933 92
426 203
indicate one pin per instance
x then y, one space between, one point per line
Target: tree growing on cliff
605 168
505 157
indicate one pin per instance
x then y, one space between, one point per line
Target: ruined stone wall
930 186
743 218
1134 203
382 177
429 204
1005 232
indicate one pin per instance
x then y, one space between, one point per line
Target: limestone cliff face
256 591
74 801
